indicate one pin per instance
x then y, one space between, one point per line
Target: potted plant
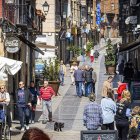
76 52
89 46
51 73
110 58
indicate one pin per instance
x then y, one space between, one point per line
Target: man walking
23 101
46 93
88 80
62 72
107 85
79 76
92 116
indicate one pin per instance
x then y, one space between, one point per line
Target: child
134 128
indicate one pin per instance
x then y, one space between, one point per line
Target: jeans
83 88
88 88
23 115
61 78
79 88
47 109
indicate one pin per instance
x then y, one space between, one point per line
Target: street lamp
45 7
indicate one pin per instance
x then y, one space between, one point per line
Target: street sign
99 135
12 44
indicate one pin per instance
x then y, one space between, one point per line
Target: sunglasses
1 88
20 84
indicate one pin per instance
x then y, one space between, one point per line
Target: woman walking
72 69
34 94
109 109
122 114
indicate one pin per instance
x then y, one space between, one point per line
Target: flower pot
55 85
111 70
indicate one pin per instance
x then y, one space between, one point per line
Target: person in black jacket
122 114
88 80
34 94
79 77
23 101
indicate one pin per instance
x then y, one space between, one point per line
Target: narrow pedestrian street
68 108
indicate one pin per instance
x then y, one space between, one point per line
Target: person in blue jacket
34 92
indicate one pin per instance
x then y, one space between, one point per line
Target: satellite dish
127 21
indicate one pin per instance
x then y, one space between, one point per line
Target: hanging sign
12 44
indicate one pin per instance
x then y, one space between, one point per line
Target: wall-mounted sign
12 44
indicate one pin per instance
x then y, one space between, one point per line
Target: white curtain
9 66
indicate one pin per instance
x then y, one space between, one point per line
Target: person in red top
121 87
46 93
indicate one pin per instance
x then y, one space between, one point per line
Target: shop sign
12 44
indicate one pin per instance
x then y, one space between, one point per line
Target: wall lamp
45 7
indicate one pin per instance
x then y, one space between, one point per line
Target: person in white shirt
72 69
109 109
5 97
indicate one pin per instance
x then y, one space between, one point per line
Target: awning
30 44
9 66
44 45
130 46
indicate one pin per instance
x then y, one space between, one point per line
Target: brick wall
109 6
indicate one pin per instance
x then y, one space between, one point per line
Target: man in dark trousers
23 101
88 81
79 77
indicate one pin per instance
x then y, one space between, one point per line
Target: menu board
135 90
99 135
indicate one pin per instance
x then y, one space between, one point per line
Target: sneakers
33 122
27 127
22 129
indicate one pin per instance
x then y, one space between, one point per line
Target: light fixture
45 7
10 1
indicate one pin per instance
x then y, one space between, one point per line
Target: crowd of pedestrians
113 112
85 79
